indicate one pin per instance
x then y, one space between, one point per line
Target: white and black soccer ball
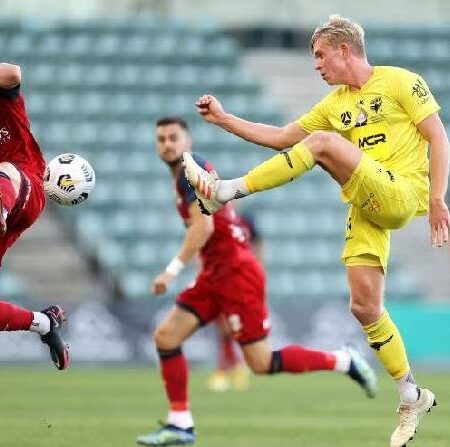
68 179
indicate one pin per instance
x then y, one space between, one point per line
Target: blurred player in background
371 134
22 200
231 282
231 370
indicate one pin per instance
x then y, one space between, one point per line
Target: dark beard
174 164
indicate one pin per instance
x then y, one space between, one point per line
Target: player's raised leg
298 359
169 336
338 156
46 323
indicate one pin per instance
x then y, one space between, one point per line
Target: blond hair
339 30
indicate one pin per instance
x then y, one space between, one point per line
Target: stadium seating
96 88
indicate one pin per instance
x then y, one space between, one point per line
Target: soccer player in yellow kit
371 134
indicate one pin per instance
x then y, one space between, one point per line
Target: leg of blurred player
46 323
180 324
169 336
298 359
230 370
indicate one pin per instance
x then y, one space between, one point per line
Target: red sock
14 318
297 359
228 357
174 372
9 196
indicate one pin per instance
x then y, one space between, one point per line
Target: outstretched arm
434 132
200 229
10 75
277 138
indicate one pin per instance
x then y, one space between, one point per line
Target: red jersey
18 146
228 246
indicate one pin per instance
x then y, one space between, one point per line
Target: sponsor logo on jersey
371 140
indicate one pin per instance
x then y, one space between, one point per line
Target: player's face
330 61
171 141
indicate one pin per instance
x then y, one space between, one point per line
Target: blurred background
96 76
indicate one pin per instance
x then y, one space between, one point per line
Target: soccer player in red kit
22 200
231 282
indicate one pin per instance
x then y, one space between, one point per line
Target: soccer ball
68 179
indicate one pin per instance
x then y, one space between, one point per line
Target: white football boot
409 418
205 185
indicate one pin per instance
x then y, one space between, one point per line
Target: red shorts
29 206
239 295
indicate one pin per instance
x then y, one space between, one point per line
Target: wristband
175 266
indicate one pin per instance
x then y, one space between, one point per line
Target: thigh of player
201 300
243 302
366 243
384 197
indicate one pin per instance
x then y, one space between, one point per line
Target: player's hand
210 108
161 283
439 222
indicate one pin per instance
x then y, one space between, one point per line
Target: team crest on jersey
4 135
375 104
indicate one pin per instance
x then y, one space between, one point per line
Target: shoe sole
203 209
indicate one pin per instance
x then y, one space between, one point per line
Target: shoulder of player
331 97
394 73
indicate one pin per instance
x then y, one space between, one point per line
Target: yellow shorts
381 200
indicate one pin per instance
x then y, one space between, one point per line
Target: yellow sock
280 169
384 337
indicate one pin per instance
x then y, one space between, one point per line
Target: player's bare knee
365 312
320 143
259 365
165 338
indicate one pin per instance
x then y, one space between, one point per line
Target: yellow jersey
381 119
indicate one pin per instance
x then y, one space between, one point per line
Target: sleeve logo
419 89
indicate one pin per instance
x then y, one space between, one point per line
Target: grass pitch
108 407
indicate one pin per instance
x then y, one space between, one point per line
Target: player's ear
344 49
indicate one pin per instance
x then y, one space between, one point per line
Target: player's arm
274 137
10 76
199 230
434 132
